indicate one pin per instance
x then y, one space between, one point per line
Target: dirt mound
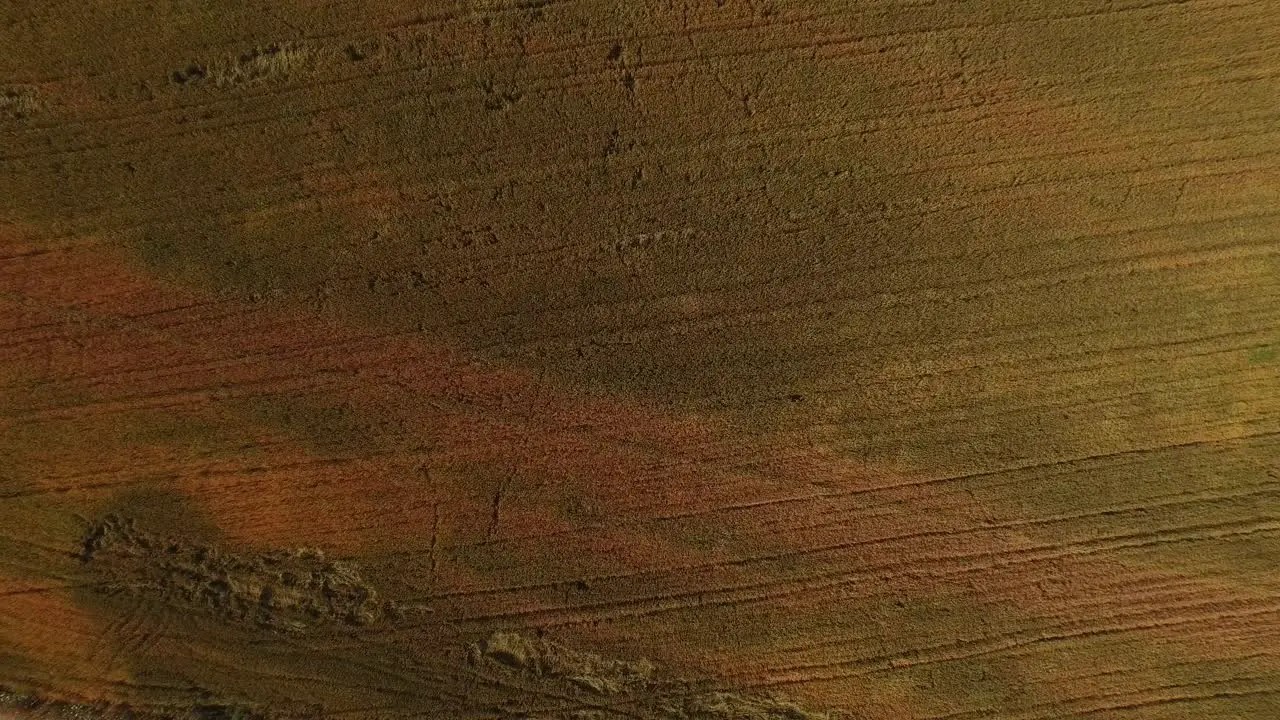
287 590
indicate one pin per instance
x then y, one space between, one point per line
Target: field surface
646 360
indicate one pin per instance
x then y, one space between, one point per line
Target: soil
699 360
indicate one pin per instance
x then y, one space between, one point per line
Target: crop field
648 360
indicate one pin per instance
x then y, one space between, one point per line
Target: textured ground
682 359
